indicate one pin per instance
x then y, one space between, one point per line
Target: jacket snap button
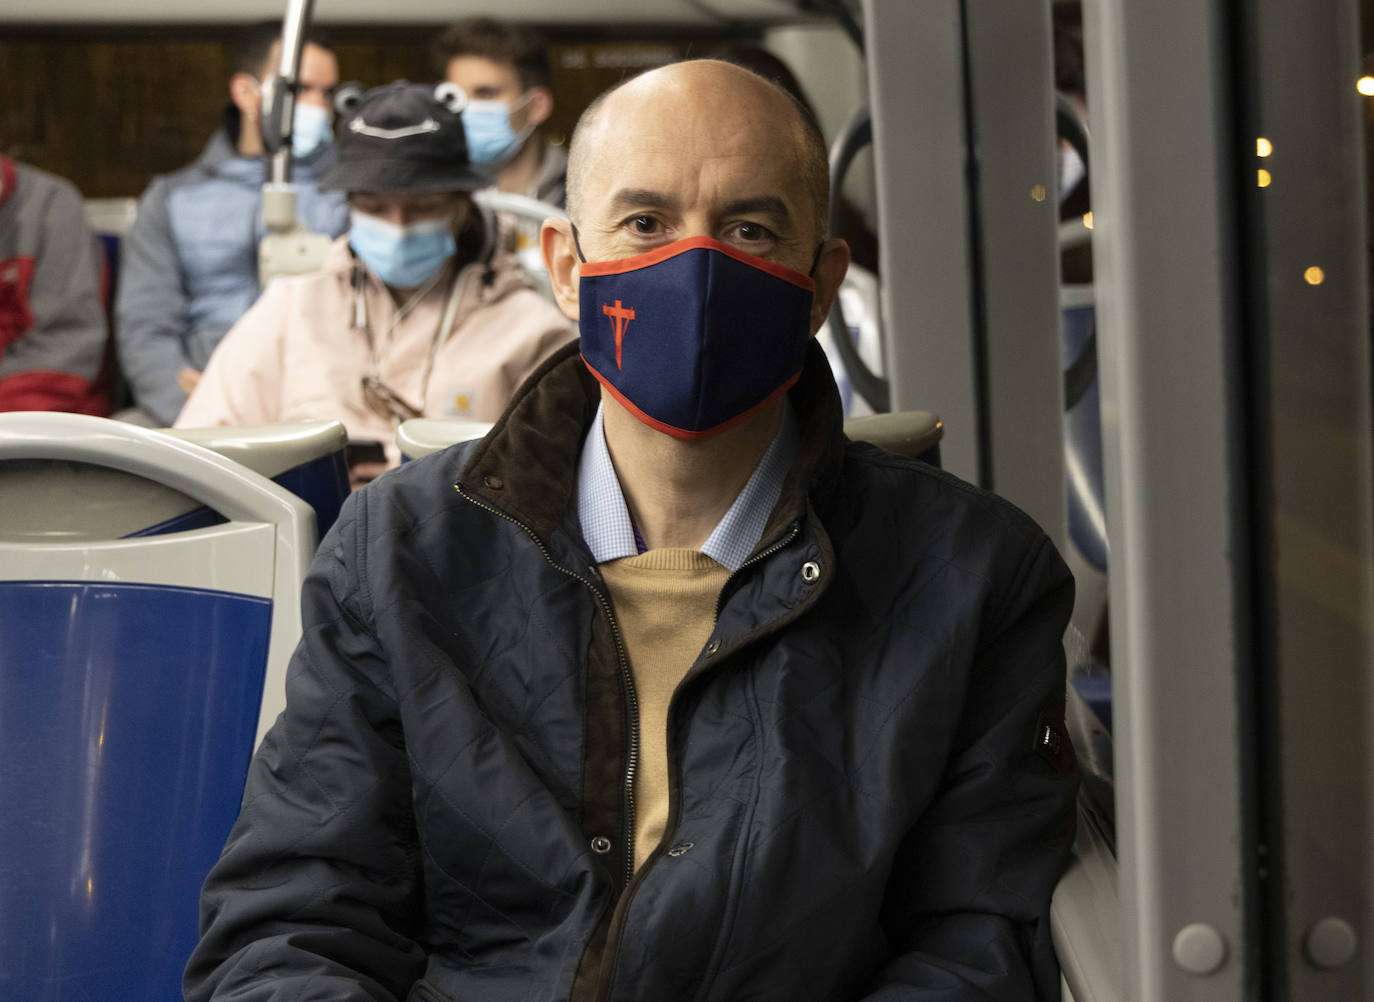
681 850
494 482
601 844
810 571
712 647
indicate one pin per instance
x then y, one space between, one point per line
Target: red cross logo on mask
620 317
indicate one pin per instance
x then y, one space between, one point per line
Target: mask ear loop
815 260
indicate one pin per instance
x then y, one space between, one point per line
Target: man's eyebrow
646 198
641 198
760 204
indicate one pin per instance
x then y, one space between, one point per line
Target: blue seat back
124 744
136 678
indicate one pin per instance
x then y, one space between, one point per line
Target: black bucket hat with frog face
403 137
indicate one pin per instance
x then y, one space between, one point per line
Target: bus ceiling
610 12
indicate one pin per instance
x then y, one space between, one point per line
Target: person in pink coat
418 311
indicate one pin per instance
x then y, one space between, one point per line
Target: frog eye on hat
451 96
347 98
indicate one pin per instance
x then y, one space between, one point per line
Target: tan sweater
665 603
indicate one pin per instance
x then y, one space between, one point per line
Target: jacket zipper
626 679
762 555
617 931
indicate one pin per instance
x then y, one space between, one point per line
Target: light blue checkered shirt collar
605 519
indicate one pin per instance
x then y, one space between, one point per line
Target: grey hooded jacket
871 793
189 267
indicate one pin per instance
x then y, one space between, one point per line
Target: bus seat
111 219
1085 918
1083 427
420 436
306 458
914 434
138 676
522 217
858 297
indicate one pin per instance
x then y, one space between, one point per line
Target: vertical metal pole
916 93
295 25
1015 225
1165 260
961 93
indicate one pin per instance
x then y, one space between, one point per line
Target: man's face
697 150
484 79
402 209
319 76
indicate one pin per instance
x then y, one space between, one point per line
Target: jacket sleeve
967 904
242 383
318 887
54 366
151 309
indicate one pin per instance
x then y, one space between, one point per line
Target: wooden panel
108 108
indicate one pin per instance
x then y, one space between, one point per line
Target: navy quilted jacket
871 793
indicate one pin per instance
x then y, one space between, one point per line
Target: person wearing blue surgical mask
420 310
312 127
504 70
189 268
404 239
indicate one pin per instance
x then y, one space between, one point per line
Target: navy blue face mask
694 337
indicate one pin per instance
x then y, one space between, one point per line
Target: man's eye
644 224
753 232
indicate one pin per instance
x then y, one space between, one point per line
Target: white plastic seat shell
253 504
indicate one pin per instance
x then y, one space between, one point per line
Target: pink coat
296 354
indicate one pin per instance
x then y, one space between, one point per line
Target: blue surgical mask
401 256
491 140
311 128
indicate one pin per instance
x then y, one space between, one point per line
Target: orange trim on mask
594 269
682 433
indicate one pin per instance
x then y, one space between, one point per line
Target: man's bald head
706 84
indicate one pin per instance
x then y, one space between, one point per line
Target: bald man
665 690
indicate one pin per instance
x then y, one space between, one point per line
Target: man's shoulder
206 167
36 183
416 490
937 512
527 308
512 289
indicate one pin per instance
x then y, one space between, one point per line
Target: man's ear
540 106
560 258
831 265
246 93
